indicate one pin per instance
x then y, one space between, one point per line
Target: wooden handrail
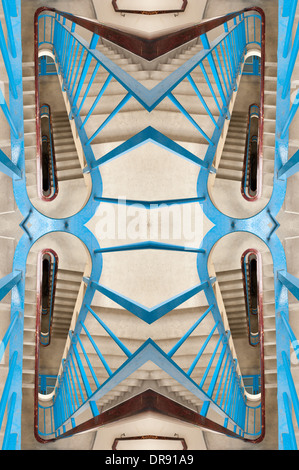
151 48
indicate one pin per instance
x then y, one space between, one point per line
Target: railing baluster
7 114
292 388
9 441
88 87
111 116
175 101
291 64
10 34
7 386
211 362
212 385
288 36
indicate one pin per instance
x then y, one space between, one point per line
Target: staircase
269 127
67 288
232 158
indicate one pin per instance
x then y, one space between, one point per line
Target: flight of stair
232 290
166 118
269 322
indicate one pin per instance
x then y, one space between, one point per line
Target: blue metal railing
11 344
252 66
290 397
46 66
252 296
252 383
46 383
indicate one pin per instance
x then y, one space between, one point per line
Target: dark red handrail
149 12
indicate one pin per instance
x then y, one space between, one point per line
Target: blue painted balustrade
78 387
11 345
